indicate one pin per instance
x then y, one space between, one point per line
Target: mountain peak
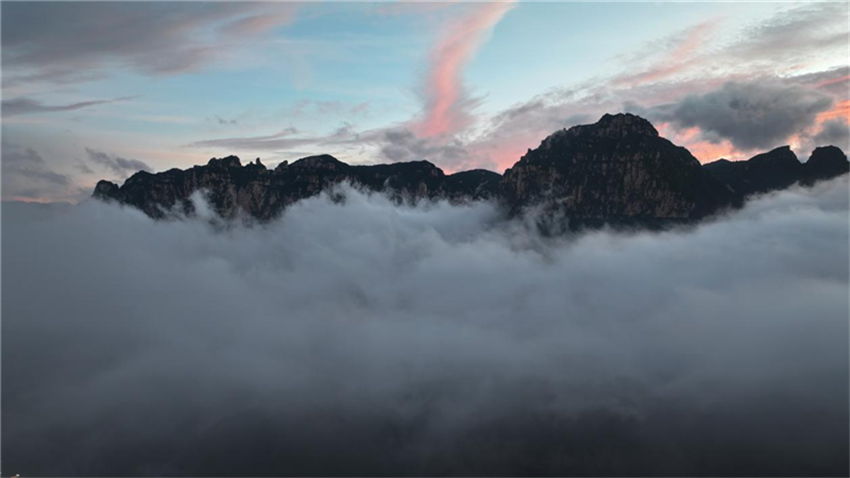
618 168
616 171
825 162
623 124
616 126
321 161
780 155
227 162
827 155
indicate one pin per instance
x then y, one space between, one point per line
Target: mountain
615 171
265 193
778 169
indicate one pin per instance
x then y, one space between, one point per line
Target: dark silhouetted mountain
778 169
264 193
769 171
616 171
824 163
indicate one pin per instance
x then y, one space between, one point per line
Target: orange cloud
454 49
704 151
841 110
833 81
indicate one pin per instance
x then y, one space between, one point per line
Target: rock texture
264 193
616 171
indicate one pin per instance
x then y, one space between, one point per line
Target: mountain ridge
617 170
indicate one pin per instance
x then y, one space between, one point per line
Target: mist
365 338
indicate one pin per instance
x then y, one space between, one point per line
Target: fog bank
364 338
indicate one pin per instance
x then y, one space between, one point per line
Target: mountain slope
618 169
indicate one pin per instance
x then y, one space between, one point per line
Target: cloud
225 122
23 106
758 115
55 41
834 132
447 108
27 176
805 33
403 145
360 338
695 62
117 164
284 139
29 163
685 47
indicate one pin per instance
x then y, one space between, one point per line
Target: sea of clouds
366 338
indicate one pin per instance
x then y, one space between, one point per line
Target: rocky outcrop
616 171
264 194
778 169
824 163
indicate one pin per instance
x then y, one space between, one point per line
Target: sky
100 90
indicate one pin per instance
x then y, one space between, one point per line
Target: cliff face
265 193
618 170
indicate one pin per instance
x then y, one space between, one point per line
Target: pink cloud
279 15
683 56
446 108
833 81
840 110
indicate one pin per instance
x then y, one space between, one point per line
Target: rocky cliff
616 171
264 193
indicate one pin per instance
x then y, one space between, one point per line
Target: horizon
478 239
252 162
462 85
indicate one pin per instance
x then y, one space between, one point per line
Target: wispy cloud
447 107
287 138
54 42
22 105
27 176
116 164
685 46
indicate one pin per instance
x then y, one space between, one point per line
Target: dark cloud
22 106
833 81
361 338
757 115
117 164
28 163
83 167
225 122
403 145
834 132
26 175
151 38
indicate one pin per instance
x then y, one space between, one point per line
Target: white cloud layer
363 339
